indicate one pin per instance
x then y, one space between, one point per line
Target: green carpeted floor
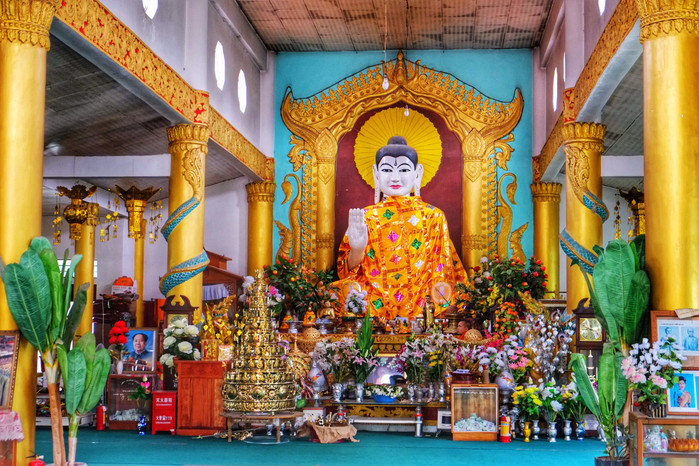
97 448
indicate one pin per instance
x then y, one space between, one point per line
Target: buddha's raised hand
357 236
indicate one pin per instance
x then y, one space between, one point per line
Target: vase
359 387
442 392
317 378
411 392
527 431
142 424
567 430
505 381
337 392
551 431
536 430
580 430
430 388
119 366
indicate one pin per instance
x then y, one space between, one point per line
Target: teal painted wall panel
494 73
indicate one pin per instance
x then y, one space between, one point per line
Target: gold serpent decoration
294 214
505 213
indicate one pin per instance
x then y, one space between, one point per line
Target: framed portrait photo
141 350
9 348
684 331
682 397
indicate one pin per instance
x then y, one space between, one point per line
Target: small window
150 7
602 4
564 68
219 66
242 92
554 93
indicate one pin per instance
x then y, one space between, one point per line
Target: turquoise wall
495 73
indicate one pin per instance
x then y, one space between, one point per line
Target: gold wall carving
620 24
670 17
317 122
293 235
101 28
26 22
581 140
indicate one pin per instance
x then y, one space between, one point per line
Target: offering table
370 412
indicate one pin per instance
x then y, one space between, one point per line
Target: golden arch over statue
482 125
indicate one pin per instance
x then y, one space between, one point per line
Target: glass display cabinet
474 411
667 440
123 412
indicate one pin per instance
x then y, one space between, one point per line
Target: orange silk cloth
409 250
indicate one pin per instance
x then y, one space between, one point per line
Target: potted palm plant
619 294
38 295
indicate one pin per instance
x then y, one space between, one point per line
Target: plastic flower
652 368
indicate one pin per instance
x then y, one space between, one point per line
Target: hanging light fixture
385 41
406 112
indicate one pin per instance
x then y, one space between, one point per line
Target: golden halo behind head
417 130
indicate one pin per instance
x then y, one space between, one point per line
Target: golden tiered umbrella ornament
261 379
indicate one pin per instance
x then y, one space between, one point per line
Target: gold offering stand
260 385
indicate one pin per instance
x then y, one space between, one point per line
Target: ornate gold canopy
317 123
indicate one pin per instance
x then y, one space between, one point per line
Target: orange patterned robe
409 250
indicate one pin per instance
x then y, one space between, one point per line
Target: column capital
546 192
580 131
261 191
188 132
667 18
26 21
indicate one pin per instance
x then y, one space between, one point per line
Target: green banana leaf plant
620 295
38 295
85 370
606 402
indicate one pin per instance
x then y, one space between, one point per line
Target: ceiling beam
128 166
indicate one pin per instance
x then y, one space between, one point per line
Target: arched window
150 7
554 91
242 92
219 66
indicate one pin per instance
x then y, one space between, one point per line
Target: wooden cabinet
640 427
123 412
199 400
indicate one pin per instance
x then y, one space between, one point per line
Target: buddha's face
397 176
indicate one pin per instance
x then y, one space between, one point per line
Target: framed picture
140 355
682 397
684 331
9 348
171 317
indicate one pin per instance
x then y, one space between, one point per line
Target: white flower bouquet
179 340
387 391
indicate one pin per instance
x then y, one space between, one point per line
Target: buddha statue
398 248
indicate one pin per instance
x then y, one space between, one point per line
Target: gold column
85 271
474 244
24 41
188 147
670 121
326 153
583 146
260 221
135 201
547 201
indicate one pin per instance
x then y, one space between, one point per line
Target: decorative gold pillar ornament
547 201
85 271
76 212
585 212
261 378
635 200
670 121
24 41
184 228
135 200
260 217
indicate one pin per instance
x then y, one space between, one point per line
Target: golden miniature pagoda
261 379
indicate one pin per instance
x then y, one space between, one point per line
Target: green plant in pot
619 294
38 296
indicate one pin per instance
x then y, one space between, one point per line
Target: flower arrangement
437 347
506 320
464 357
117 339
573 405
143 391
364 359
498 281
355 303
275 300
549 343
550 396
410 359
505 354
651 369
298 286
335 358
385 390
528 402
179 339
